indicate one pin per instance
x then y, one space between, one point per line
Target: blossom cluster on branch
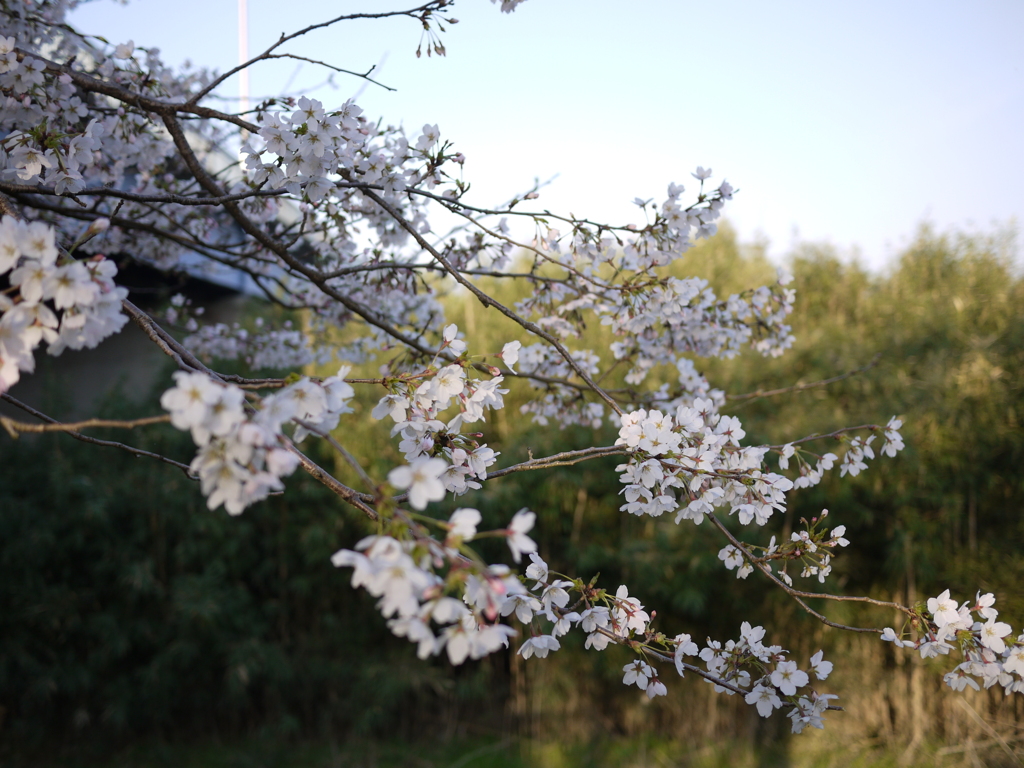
263 346
242 459
991 655
68 303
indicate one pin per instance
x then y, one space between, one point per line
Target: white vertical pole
243 55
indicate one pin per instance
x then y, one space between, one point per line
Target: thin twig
423 10
15 427
797 594
836 434
320 474
565 459
810 385
96 441
364 75
345 454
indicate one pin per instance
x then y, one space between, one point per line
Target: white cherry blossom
422 478
518 541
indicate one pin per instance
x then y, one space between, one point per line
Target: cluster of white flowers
658 320
777 681
991 655
311 148
54 135
605 618
812 547
441 457
68 304
854 460
693 463
808 476
667 317
559 403
893 440
262 347
403 573
243 456
26 159
273 348
771 679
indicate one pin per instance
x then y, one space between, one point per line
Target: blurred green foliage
127 608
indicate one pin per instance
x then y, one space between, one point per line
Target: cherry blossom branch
836 434
598 284
564 459
645 649
93 440
546 214
135 197
349 458
648 651
135 99
363 75
14 428
488 301
797 594
321 475
420 12
187 361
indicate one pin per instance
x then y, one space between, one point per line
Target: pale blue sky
849 122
